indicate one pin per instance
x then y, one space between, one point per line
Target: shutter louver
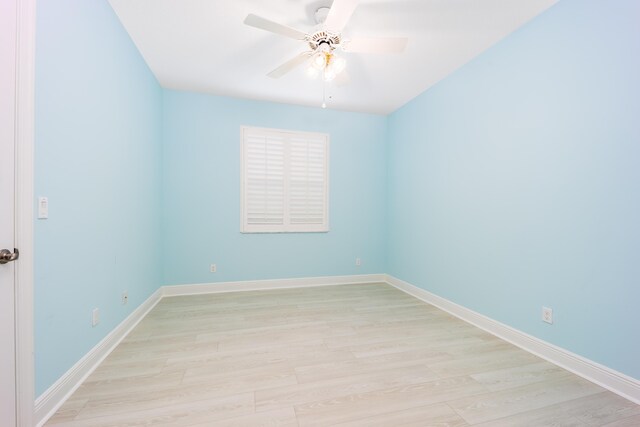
284 181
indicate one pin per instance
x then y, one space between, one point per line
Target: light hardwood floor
353 355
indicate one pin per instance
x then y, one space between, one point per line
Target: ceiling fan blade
339 14
289 65
342 79
376 45
265 24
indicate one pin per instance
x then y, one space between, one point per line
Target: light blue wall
201 188
98 112
514 183
510 185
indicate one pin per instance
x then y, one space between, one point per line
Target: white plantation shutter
284 181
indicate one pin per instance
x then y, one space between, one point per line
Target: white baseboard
257 285
49 401
610 379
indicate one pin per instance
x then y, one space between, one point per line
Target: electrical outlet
213 268
95 316
547 315
125 297
358 262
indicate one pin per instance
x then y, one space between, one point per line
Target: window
284 181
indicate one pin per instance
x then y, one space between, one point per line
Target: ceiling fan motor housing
324 37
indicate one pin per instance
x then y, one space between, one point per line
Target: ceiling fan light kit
322 59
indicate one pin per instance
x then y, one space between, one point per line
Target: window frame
286 227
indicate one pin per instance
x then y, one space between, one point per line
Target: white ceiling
203 46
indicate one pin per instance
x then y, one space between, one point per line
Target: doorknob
6 255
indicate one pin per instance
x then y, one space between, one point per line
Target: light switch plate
43 207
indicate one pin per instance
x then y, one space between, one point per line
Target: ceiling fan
323 42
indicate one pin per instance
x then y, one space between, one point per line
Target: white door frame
25 125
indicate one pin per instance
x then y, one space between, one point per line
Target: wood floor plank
352 355
69 411
407 344
125 370
363 405
178 414
277 418
280 338
626 422
164 352
228 385
590 411
266 376
302 393
97 389
337 369
294 355
483 362
511 377
504 403
439 415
